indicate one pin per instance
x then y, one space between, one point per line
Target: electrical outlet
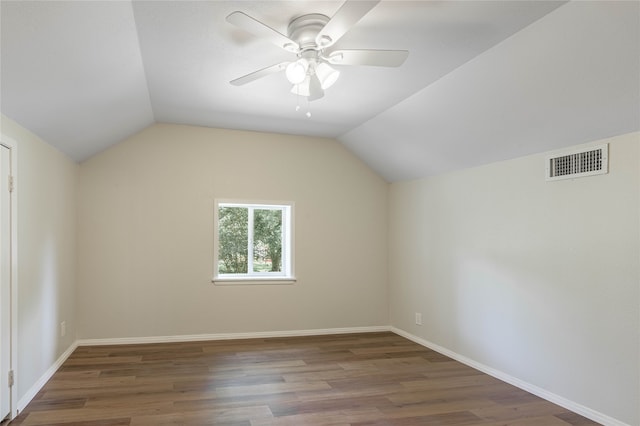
63 328
418 318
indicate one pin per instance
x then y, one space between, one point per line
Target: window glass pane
267 240
233 237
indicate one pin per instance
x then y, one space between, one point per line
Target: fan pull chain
298 107
297 98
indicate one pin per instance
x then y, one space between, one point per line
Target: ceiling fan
311 38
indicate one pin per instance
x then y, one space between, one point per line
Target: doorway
7 290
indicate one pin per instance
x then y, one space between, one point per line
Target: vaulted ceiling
484 81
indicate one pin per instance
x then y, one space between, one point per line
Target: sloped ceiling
484 81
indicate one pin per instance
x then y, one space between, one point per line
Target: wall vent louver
585 162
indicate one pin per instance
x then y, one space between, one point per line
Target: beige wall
46 185
146 235
538 280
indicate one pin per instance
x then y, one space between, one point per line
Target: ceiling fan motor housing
304 30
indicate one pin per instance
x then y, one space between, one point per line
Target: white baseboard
542 393
33 391
229 336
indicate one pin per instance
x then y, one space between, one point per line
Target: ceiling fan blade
378 58
259 74
257 28
348 14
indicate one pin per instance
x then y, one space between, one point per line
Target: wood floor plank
206 417
531 421
363 379
497 412
325 418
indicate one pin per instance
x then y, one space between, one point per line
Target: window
253 242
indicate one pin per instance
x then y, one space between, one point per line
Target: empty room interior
456 194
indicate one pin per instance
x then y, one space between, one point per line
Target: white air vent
585 162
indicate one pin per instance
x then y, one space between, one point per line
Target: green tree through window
267 243
234 236
253 240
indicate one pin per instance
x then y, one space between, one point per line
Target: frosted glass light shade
297 71
327 75
301 89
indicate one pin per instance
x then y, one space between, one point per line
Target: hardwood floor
356 379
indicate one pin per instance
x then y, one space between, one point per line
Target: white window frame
286 276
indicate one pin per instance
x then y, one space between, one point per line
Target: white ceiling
484 81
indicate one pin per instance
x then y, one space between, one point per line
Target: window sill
253 280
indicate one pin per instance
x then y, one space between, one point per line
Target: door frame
13 358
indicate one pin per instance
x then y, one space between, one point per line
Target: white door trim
13 392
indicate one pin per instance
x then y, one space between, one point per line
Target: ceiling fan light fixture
315 88
327 75
296 71
302 89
